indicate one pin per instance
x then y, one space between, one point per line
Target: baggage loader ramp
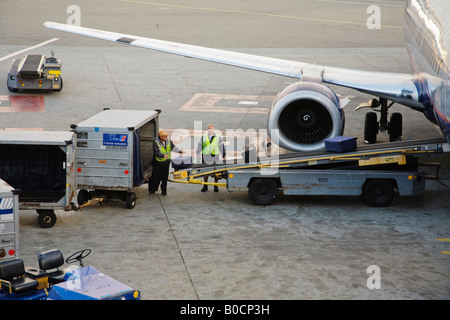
366 155
31 66
35 72
317 173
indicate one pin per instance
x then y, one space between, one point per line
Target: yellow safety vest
164 150
210 147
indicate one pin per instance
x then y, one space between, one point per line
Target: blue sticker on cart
6 205
115 139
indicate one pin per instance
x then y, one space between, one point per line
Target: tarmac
192 245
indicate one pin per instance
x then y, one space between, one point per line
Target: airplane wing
396 87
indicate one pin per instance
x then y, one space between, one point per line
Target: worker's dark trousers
160 175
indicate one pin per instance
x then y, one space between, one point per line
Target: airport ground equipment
9 222
35 72
114 154
41 165
50 281
373 171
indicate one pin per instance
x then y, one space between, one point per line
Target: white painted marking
252 103
205 102
379 2
28 49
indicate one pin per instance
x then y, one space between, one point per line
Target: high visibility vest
210 147
164 150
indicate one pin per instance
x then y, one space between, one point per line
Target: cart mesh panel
37 170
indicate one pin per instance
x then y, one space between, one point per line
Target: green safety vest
164 150
210 147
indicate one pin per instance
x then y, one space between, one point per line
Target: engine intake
303 115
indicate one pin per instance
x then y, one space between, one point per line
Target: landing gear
372 126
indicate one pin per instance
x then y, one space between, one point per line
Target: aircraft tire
370 127
395 126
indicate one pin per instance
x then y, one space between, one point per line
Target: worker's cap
162 133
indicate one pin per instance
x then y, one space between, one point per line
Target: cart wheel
378 193
263 191
130 200
83 197
46 218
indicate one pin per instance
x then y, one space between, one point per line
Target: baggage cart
9 221
41 165
114 154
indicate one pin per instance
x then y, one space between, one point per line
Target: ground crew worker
210 146
162 148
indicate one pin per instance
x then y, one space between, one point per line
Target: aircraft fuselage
427 25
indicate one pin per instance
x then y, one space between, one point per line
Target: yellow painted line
445 240
257 14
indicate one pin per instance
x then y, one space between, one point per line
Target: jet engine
303 115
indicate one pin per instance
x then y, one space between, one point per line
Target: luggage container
340 144
9 221
114 154
41 165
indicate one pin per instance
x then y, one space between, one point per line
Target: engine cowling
303 115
